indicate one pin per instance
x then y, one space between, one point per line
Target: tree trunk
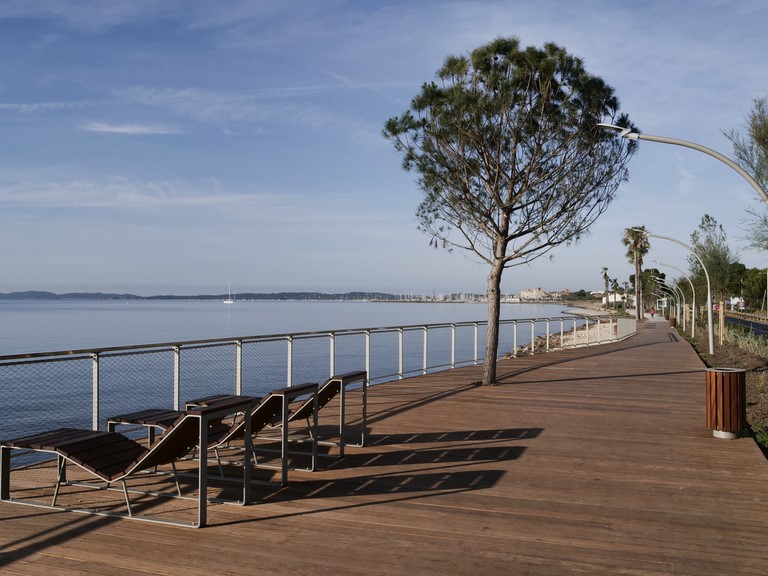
638 290
641 295
492 334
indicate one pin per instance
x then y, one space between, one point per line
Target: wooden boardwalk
589 461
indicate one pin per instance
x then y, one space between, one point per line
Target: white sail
230 299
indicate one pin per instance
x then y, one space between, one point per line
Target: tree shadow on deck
565 356
411 404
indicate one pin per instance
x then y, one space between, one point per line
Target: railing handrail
159 346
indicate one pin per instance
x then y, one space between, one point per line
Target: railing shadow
427 473
493 435
566 356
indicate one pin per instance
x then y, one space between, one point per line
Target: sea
29 326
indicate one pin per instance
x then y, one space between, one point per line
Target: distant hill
41 295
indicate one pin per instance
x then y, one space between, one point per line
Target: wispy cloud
130 129
272 107
32 107
125 193
91 16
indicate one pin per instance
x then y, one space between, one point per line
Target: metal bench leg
5 473
61 476
127 499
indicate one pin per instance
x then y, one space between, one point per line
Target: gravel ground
731 356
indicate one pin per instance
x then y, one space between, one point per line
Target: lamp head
623 132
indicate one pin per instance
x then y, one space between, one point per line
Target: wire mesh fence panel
439 348
265 366
311 359
137 381
41 396
385 356
207 370
413 351
465 345
349 352
509 338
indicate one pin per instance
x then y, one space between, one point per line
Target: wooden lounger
113 457
335 386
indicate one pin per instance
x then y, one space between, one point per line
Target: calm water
47 326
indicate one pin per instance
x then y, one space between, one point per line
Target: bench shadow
382 476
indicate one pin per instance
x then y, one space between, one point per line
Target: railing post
426 340
547 334
332 354
453 345
176 377
533 336
368 354
514 338
400 353
289 361
95 400
562 332
239 367
575 334
475 330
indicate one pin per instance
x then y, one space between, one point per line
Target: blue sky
183 146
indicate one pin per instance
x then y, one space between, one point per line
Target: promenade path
585 461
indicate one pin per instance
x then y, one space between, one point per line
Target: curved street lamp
669 297
630 135
706 274
681 302
676 293
693 297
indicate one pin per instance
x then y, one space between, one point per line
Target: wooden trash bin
673 322
726 402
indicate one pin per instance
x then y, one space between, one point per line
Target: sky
185 147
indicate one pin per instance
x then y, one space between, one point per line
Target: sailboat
230 299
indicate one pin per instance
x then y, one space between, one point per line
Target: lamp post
693 292
676 293
681 302
630 135
668 298
706 274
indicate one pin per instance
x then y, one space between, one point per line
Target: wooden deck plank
588 461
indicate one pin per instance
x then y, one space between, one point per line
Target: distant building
613 298
532 294
539 294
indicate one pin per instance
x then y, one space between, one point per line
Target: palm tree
636 241
615 288
606 279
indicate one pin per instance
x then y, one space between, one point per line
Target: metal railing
81 388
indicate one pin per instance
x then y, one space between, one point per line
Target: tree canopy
509 156
710 242
750 151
